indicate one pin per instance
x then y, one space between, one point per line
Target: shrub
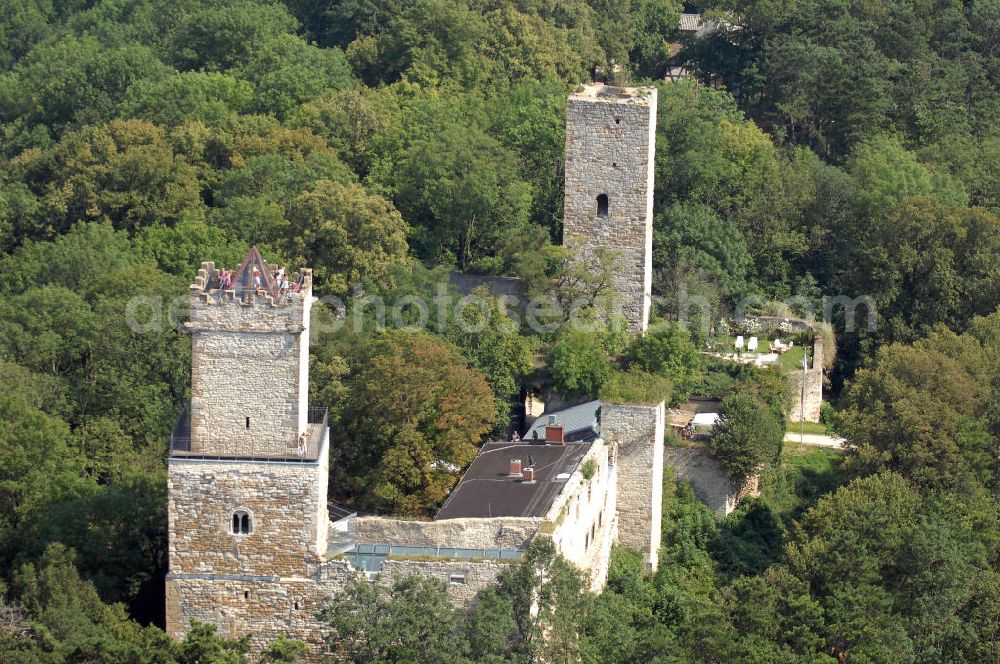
579 363
637 387
667 350
747 436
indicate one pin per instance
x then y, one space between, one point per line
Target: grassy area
788 361
791 360
796 456
726 344
792 426
805 474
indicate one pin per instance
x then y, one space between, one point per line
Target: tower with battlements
248 467
610 147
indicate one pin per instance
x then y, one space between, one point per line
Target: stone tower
610 145
248 468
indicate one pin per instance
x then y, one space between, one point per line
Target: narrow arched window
602 205
242 524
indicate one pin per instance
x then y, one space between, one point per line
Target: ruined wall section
809 407
266 608
610 148
708 478
473 533
637 432
464 579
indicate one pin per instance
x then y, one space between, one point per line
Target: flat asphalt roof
487 490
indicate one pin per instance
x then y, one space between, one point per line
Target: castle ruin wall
637 431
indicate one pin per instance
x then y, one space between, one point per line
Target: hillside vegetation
825 148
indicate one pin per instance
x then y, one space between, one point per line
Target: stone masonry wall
610 147
638 433
463 578
708 478
809 408
282 498
505 532
249 373
263 608
266 608
238 377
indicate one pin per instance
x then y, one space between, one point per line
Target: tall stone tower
610 145
248 468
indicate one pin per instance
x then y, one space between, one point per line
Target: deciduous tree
413 421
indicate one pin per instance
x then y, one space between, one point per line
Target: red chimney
554 434
529 474
515 468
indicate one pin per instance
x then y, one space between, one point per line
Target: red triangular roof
243 279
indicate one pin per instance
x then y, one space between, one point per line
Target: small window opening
241 523
296 606
248 423
618 120
246 594
602 211
456 579
614 164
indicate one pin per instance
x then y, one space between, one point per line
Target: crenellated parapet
214 308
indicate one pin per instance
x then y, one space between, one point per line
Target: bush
636 387
747 436
579 363
769 385
828 415
712 384
666 349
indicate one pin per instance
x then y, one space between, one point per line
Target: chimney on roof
515 468
554 434
529 475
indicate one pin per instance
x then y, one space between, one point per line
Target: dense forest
818 149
